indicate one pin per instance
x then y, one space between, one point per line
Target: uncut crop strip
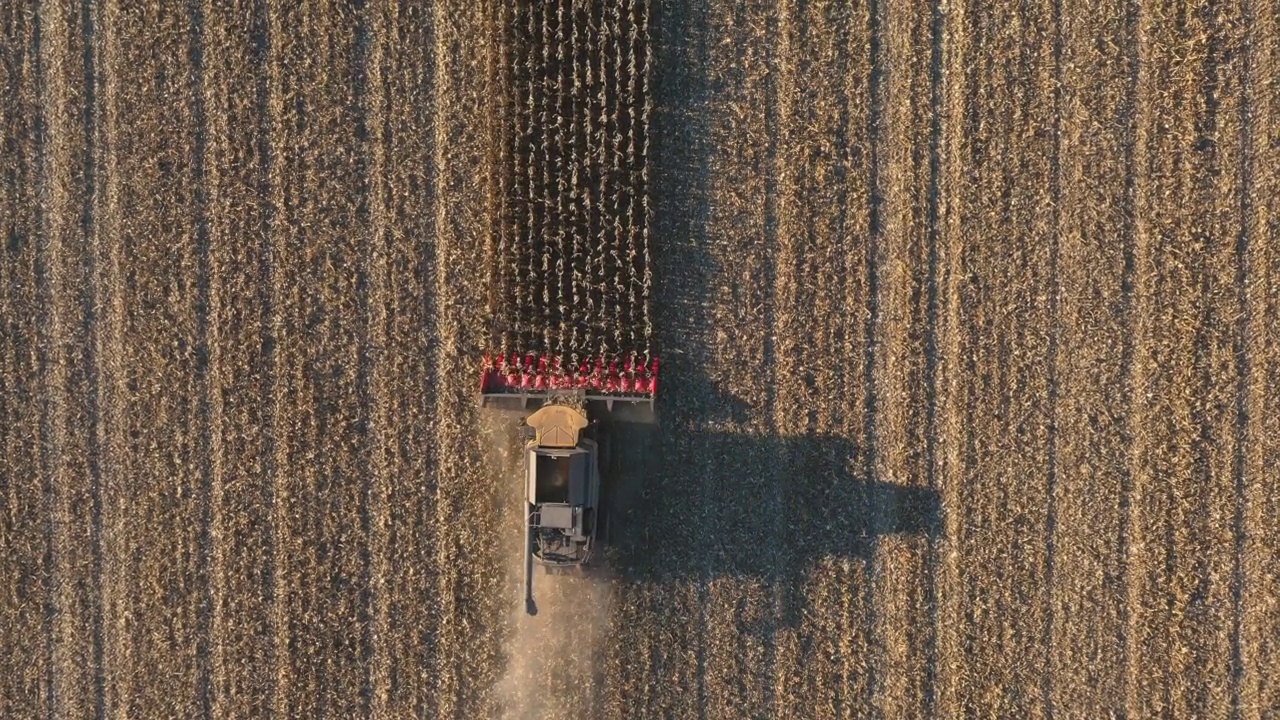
571 275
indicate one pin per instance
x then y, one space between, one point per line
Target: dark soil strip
768 282
44 321
367 354
1055 331
1240 348
89 361
1128 349
930 680
971 294
265 158
876 224
204 459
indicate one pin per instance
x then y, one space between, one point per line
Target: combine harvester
567 449
570 270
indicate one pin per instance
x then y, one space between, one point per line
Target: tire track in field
1134 146
779 349
900 569
469 594
90 22
788 323
966 295
1240 352
791 413
268 115
897 572
268 192
1047 672
208 445
378 309
41 313
871 271
47 244
368 174
1137 320
932 331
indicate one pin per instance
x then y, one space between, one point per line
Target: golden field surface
969 314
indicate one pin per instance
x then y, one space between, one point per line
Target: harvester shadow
702 499
695 498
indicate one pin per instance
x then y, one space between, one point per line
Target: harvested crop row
462 617
1256 651
571 272
822 92
1183 498
903 368
766 590
416 208
1007 358
321 512
25 670
70 415
155 330
741 600
241 217
1088 601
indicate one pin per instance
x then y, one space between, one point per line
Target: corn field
967 312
